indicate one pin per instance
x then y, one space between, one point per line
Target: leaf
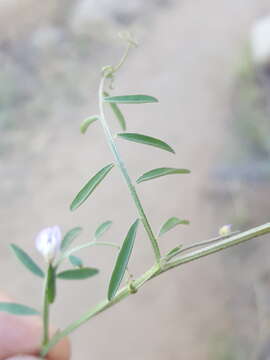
130 99
118 114
102 229
78 274
174 251
87 122
69 238
87 190
147 140
122 260
156 173
17 309
51 285
75 261
120 117
27 261
171 223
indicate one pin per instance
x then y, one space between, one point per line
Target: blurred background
208 63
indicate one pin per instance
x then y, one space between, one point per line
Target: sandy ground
186 60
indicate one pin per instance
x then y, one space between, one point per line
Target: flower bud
48 242
225 230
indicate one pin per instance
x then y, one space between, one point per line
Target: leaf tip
72 206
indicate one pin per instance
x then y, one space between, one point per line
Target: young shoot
57 251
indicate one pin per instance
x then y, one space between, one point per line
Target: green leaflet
147 140
170 224
102 229
173 252
118 114
78 274
87 190
17 309
156 173
27 261
122 260
120 117
69 238
75 261
130 99
87 122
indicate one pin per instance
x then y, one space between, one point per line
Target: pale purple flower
48 242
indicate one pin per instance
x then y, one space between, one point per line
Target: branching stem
154 272
200 244
161 265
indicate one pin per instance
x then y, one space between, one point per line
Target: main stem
125 174
45 311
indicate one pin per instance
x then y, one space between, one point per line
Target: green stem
83 246
103 305
123 59
200 244
221 245
125 174
91 243
156 271
45 310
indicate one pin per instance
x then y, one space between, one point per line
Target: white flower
48 242
225 230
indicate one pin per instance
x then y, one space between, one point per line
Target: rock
260 41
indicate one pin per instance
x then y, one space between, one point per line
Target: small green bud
225 230
132 288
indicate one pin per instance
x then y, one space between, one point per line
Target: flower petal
48 242
57 235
